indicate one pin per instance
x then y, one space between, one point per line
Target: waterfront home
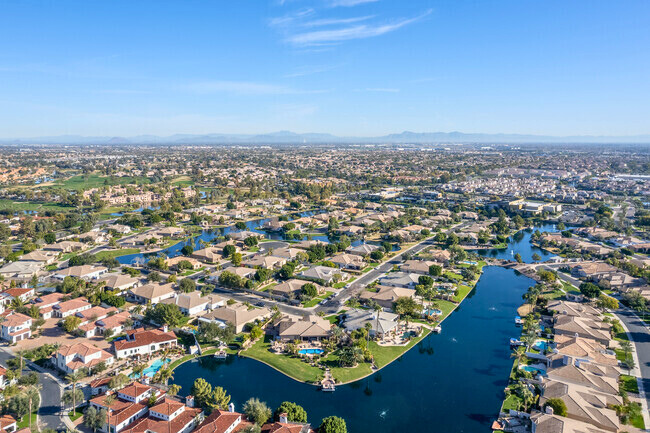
575 309
576 372
293 288
128 405
417 266
195 303
71 358
244 234
237 314
173 263
221 421
400 279
582 348
381 322
266 262
71 307
84 272
210 255
151 293
387 295
170 232
549 423
119 282
584 404
440 256
308 328
16 327
167 415
305 245
322 274
348 261
362 250
283 426
582 327
144 342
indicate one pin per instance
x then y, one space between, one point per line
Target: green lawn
292 367
629 384
343 283
116 253
511 402
95 181
384 355
462 292
24 421
313 302
17 206
179 361
452 276
75 415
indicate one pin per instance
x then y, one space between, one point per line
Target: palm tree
164 374
32 395
74 378
138 369
108 401
378 309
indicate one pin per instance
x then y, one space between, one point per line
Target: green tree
558 406
605 302
435 270
257 411
94 419
589 290
202 391
518 258
309 290
71 323
332 424
187 285
295 413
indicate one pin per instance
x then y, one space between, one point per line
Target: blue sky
348 67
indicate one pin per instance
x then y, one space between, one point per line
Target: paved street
50 410
640 335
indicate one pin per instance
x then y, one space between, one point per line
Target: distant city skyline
352 68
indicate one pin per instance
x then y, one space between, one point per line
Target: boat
437 329
515 342
328 387
518 321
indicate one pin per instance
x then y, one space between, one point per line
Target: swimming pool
534 370
541 345
432 312
310 351
152 369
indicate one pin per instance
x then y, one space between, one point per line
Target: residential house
119 282
127 405
195 303
307 328
266 262
71 358
68 308
362 250
167 415
349 261
45 303
323 274
16 327
400 279
381 322
85 272
549 423
387 295
144 342
151 293
292 288
237 314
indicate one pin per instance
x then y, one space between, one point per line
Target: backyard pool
541 345
534 369
432 312
152 369
310 351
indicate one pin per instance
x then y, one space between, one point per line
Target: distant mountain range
288 137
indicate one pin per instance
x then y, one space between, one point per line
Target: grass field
20 206
629 384
116 253
82 182
292 367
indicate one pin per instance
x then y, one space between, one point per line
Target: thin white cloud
378 89
349 3
335 21
310 70
362 31
245 88
289 19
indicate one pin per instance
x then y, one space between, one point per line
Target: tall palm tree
108 401
32 394
74 378
138 369
164 374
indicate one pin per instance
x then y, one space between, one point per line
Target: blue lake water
209 235
520 243
449 382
